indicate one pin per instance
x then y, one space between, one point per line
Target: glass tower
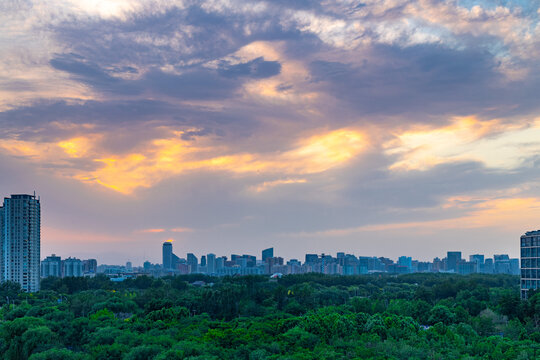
167 255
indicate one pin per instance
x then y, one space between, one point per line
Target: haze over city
384 128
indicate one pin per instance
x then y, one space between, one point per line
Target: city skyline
167 251
383 128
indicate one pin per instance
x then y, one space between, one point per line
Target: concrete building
90 266
20 239
72 267
51 266
478 259
405 261
489 267
530 262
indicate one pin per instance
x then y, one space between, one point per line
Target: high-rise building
452 260
478 259
530 262
20 239
211 263
220 263
405 261
167 255
502 264
192 261
267 253
72 267
90 266
51 266
489 267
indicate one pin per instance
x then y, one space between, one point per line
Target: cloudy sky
376 127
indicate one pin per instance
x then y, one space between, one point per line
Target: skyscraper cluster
20 239
54 266
341 264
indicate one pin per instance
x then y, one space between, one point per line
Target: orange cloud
151 231
162 158
78 146
172 156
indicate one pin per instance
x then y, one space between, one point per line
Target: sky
375 127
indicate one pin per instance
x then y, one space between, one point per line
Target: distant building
90 266
466 267
489 267
478 259
167 255
192 262
20 240
51 266
530 262
271 263
405 261
452 260
72 267
147 266
211 263
220 263
267 253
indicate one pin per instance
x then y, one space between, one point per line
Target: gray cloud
256 68
426 79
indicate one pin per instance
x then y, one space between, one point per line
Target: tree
37 339
58 354
441 313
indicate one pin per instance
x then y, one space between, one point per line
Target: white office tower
21 241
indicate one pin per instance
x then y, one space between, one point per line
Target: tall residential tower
20 239
530 262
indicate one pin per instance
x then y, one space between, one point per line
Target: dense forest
312 316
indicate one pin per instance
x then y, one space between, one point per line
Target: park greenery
311 316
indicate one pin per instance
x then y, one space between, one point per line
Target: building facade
530 262
452 260
20 239
90 266
167 255
72 267
51 266
267 253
